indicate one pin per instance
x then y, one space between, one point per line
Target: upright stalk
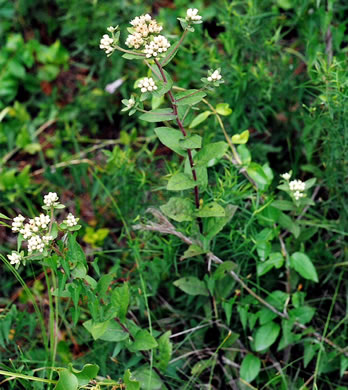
183 131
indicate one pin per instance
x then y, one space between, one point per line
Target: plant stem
183 131
176 47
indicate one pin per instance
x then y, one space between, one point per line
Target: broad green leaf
104 283
208 155
200 119
179 209
179 182
192 251
284 205
201 172
192 142
258 175
130 382
120 300
148 379
304 266
96 329
241 138
287 223
266 335
215 225
143 341
84 376
189 97
4 216
192 286
75 253
67 380
223 109
244 154
160 115
343 364
250 368
201 366
132 56
276 260
171 138
211 209
302 314
310 349
310 183
223 269
164 351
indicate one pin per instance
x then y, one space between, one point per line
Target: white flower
71 220
297 185
192 15
131 103
47 239
42 221
159 44
26 231
298 195
145 25
286 176
51 199
36 243
106 44
112 29
134 40
14 258
147 84
215 76
17 223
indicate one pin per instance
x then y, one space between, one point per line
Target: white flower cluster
37 230
297 187
130 103
71 220
147 84
145 25
215 76
134 40
106 43
51 199
14 258
286 176
192 15
159 44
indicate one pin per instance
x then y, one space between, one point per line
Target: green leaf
189 97
75 253
4 216
215 225
67 380
244 154
128 56
257 174
104 283
276 260
164 352
304 266
192 142
201 366
114 332
192 286
302 314
266 335
120 300
310 183
240 138
84 376
223 109
148 379
223 269
208 155
179 209
143 341
192 251
284 205
250 368
287 223
180 181
200 119
130 382
96 329
171 138
310 349
160 115
211 209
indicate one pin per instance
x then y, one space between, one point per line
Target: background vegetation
284 63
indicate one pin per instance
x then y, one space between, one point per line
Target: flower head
17 223
134 40
14 258
71 220
158 45
145 25
147 84
36 243
192 15
106 43
297 187
286 176
215 76
51 199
